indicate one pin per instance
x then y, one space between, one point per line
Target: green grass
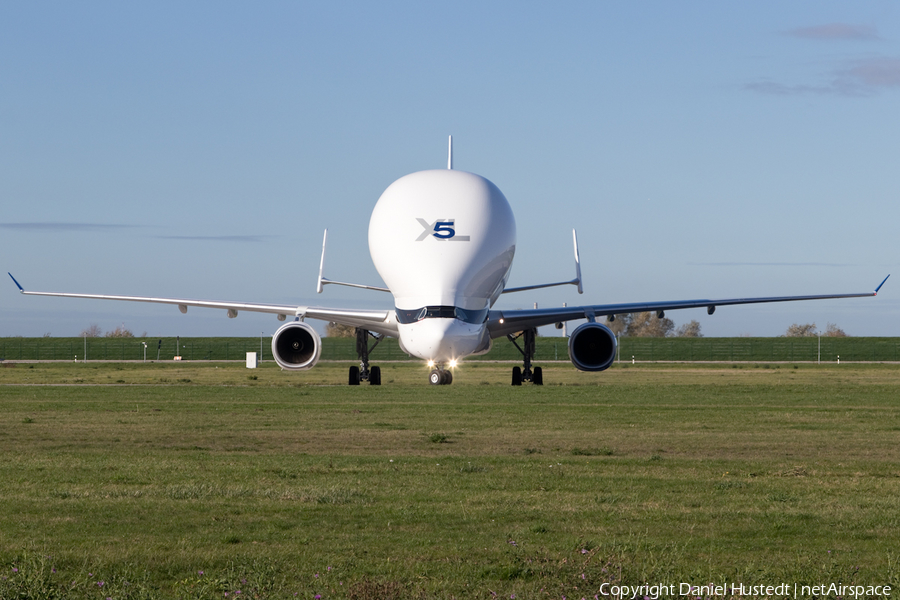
191 480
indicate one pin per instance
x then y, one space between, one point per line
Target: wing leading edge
505 322
500 322
379 321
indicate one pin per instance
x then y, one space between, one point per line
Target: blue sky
198 150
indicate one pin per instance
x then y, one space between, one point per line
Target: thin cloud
775 88
216 238
770 264
61 227
836 31
861 77
881 72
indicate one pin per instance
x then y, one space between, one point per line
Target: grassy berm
209 480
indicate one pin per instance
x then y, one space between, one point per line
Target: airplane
443 242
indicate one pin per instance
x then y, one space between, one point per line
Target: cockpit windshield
442 312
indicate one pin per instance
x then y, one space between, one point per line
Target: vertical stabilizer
450 153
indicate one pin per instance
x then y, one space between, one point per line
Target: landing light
452 364
430 363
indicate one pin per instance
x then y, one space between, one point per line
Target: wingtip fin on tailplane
577 263
321 281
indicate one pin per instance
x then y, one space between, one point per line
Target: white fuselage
443 241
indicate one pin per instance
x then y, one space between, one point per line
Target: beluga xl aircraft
443 241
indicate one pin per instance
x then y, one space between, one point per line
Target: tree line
645 324
629 324
648 324
94 331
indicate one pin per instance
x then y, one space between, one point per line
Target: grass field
197 480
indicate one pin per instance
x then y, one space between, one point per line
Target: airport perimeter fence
112 349
847 349
779 349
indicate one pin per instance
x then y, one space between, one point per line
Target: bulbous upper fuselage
443 241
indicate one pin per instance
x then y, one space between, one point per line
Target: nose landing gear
439 376
525 373
363 372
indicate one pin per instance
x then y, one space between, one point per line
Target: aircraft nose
441 340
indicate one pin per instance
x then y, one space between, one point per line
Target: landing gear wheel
436 377
525 373
363 372
448 378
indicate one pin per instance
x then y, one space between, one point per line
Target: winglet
21 289
320 282
577 263
876 289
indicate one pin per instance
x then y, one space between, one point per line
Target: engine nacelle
296 346
592 347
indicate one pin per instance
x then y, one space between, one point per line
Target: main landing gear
363 372
525 373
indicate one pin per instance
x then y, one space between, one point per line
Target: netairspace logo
739 590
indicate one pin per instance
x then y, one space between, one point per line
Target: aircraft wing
378 321
505 322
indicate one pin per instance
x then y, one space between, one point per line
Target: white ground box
252 361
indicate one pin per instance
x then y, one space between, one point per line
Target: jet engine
296 346
592 347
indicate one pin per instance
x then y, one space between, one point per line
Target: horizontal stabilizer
576 281
322 282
